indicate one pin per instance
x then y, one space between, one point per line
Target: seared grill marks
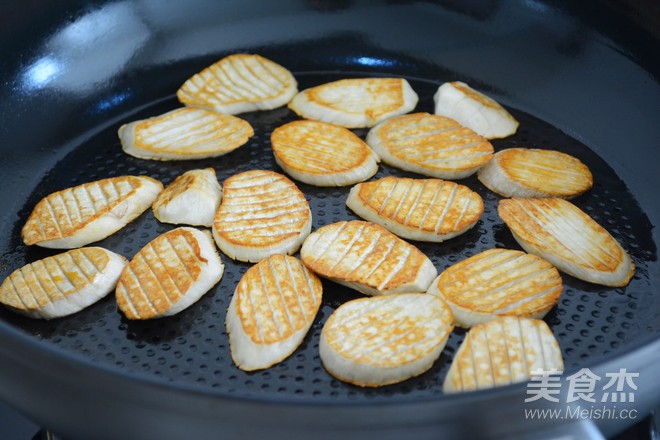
523 172
63 219
498 282
262 213
168 274
271 311
239 83
428 144
322 154
185 133
281 296
353 103
418 209
62 284
503 351
393 326
383 340
560 232
368 258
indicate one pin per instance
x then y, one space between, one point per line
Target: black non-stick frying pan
581 77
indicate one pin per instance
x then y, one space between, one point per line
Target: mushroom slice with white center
239 83
62 284
368 258
498 282
357 102
378 341
272 309
475 110
322 154
169 274
262 213
417 209
431 145
184 134
191 199
503 351
563 234
90 212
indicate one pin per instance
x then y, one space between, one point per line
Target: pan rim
127 377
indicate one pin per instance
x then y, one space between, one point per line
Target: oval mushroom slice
62 284
560 232
524 172
169 274
262 213
378 341
322 154
239 83
184 134
431 145
368 258
192 199
502 351
353 103
417 209
475 110
77 216
498 282
272 309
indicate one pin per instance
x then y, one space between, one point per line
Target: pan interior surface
191 349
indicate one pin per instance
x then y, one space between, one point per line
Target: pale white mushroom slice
62 284
503 351
271 311
239 83
498 282
184 134
322 154
525 172
475 110
417 209
371 342
368 258
357 102
262 213
169 274
90 212
560 232
431 145
191 199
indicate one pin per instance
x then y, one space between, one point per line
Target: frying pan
581 77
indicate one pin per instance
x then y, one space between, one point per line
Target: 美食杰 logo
586 394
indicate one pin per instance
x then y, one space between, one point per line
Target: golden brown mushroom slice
169 274
563 234
378 341
356 102
417 209
272 309
262 213
431 145
184 134
322 154
524 172
368 258
62 284
239 83
498 282
90 212
503 351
